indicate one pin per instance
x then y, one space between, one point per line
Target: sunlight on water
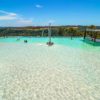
68 70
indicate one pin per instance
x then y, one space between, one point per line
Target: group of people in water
25 41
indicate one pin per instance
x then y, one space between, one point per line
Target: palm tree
72 31
65 32
60 31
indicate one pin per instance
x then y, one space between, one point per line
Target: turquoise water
74 43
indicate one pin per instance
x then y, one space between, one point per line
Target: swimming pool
68 70
75 42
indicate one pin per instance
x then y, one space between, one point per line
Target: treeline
43 31
18 32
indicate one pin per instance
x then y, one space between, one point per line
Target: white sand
39 72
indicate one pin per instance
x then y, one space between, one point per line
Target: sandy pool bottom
39 72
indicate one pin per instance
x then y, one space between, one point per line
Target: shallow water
69 70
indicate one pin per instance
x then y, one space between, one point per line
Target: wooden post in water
85 34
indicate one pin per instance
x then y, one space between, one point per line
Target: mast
49 32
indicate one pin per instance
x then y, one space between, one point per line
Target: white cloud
16 18
25 21
38 6
7 18
51 21
7 15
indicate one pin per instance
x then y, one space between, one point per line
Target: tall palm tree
72 31
60 31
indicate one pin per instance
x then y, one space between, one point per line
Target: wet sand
39 72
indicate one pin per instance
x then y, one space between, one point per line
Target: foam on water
35 71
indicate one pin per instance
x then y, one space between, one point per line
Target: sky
42 12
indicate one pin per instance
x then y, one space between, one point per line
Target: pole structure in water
49 32
49 35
42 32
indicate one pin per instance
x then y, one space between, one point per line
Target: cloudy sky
42 12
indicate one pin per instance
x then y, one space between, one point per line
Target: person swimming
25 41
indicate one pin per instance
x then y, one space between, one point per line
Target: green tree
72 31
60 31
92 27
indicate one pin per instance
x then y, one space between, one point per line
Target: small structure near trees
92 34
